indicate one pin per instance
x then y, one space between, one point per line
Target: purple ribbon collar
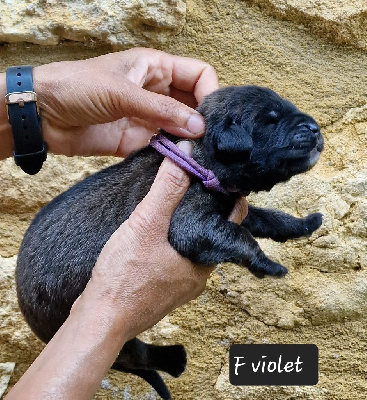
170 150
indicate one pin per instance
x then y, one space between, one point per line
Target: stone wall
313 53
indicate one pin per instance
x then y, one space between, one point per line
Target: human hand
139 277
113 104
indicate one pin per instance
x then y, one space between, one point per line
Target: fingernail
196 124
185 146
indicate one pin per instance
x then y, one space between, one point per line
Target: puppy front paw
267 267
311 223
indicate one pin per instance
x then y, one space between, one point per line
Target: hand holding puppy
160 275
112 104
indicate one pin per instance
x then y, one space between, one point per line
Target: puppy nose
313 127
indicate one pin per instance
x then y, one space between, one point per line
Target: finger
119 98
239 211
120 137
183 97
195 76
167 113
110 97
154 213
162 70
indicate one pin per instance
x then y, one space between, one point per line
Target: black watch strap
29 147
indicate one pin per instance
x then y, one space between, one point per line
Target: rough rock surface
323 299
121 23
341 21
148 22
6 370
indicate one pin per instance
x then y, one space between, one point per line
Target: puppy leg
142 359
279 226
211 239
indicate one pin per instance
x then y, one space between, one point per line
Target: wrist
22 107
6 138
125 315
97 310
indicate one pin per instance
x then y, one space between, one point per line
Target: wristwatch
23 113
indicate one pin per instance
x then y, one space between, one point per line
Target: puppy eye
273 114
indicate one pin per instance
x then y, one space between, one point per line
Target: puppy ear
234 139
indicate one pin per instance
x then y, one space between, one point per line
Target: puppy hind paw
312 222
172 359
179 360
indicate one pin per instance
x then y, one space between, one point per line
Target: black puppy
254 139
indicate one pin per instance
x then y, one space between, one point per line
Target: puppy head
255 139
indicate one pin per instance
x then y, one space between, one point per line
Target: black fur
254 139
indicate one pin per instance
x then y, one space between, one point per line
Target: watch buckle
21 98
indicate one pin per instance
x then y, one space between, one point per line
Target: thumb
154 213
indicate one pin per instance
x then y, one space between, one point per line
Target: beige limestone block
12 326
6 370
120 23
18 345
341 21
303 298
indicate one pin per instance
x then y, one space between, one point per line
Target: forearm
6 140
75 361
